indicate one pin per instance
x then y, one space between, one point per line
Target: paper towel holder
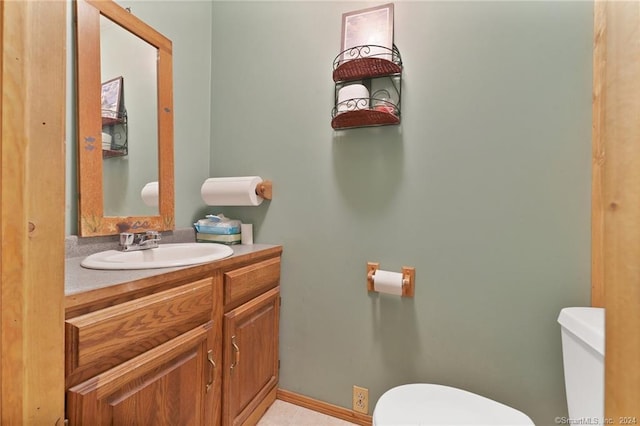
265 189
408 278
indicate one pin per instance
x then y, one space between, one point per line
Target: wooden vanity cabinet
250 346
197 346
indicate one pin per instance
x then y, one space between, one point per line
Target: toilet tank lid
586 323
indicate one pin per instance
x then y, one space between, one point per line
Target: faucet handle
126 239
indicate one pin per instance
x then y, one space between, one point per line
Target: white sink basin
165 256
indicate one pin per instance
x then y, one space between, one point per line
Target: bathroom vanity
192 345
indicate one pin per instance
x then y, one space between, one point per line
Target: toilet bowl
429 404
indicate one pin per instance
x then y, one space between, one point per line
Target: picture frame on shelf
111 99
368 33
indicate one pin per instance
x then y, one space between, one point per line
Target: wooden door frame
32 162
615 201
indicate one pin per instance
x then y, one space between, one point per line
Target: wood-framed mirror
95 215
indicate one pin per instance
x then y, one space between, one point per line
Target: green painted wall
484 188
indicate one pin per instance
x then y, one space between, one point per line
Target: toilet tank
582 331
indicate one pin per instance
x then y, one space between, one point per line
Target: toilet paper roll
106 140
149 194
353 97
231 191
388 282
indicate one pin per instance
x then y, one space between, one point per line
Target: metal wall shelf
367 63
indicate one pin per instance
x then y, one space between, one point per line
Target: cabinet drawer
103 339
243 284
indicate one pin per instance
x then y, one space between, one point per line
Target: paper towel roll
388 282
231 191
149 194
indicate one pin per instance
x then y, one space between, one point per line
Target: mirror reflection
129 120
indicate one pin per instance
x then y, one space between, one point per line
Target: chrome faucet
142 241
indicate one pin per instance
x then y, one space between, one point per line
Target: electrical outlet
360 399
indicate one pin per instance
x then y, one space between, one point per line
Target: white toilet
583 357
429 404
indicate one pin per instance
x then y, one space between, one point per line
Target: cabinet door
250 357
166 385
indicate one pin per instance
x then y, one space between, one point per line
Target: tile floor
285 414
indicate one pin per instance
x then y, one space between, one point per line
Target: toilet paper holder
408 278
